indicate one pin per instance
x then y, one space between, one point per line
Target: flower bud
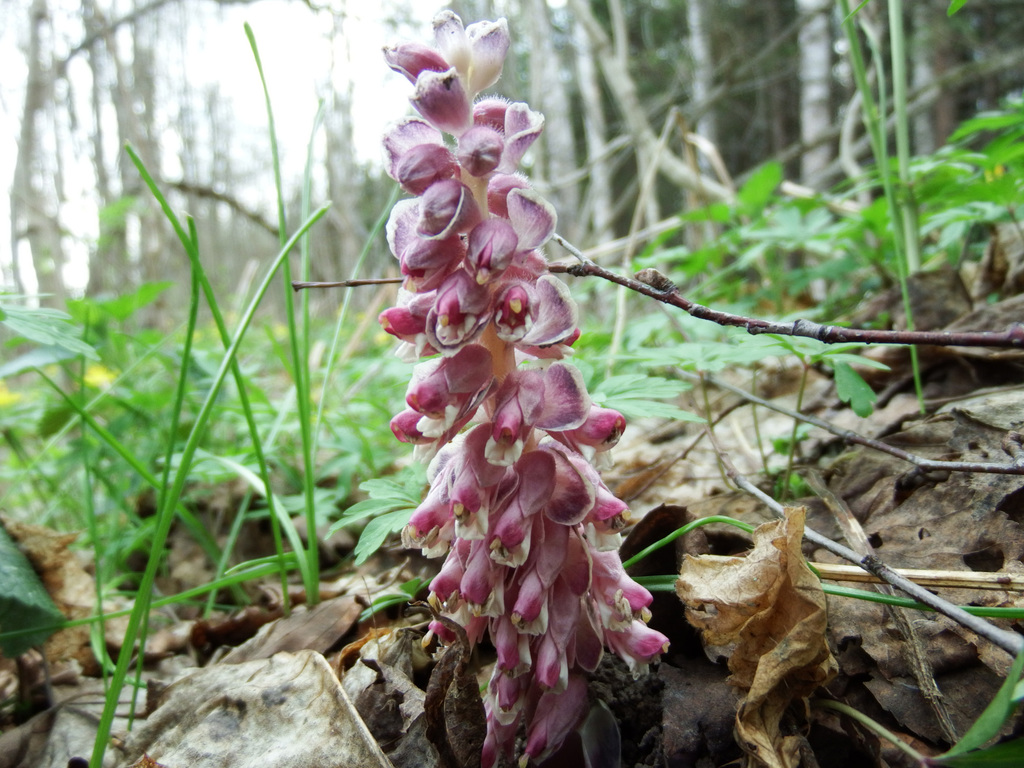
442 100
452 41
488 42
423 165
480 150
490 112
522 127
492 244
498 188
447 208
410 59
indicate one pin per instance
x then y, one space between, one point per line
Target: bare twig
298 285
1008 641
650 282
1011 444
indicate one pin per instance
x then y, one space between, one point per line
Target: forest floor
320 687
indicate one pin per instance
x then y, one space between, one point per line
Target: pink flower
528 525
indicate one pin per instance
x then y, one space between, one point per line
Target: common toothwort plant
516 500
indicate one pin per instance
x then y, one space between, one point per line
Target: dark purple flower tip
423 165
512 317
490 113
447 208
442 100
404 426
498 188
460 312
492 244
532 217
480 150
522 127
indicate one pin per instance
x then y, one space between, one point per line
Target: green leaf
989 722
760 187
40 357
954 6
377 531
392 502
852 389
24 602
49 327
1010 754
635 395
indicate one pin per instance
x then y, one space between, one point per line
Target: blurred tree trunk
922 70
699 38
35 198
595 132
345 220
816 115
549 94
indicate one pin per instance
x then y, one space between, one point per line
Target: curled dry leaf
768 608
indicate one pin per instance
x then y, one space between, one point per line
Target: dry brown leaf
769 609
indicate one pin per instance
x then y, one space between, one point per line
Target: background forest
166 395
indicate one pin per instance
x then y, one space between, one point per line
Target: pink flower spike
492 243
443 102
410 59
532 217
489 42
555 717
447 208
480 150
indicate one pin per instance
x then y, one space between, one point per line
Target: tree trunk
703 68
815 91
34 213
550 96
599 192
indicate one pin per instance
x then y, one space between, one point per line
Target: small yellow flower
6 396
98 376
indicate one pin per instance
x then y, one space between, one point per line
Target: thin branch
298 285
1012 443
650 282
1008 641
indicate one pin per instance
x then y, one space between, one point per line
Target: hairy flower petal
410 59
442 100
532 217
489 42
